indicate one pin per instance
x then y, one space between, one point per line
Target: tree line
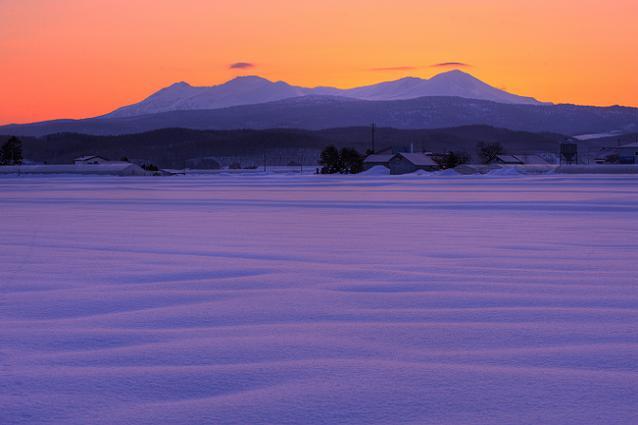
11 152
332 160
487 152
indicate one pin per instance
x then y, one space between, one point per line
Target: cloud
451 65
241 65
412 68
395 68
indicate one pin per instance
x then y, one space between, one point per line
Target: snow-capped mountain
253 90
184 97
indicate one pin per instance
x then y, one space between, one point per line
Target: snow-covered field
319 300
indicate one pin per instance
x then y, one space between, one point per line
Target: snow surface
319 300
377 170
598 135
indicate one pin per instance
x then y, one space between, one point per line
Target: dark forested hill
171 147
321 112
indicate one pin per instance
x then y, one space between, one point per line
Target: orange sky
81 58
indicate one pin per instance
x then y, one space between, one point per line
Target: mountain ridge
316 112
251 89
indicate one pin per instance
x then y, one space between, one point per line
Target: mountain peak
249 79
180 84
455 71
408 79
456 74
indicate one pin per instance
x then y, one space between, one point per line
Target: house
520 159
90 160
403 163
376 159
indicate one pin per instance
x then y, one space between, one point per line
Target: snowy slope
319 300
452 83
252 90
183 97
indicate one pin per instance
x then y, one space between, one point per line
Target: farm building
403 163
376 159
110 168
90 160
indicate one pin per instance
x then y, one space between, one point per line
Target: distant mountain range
253 90
450 99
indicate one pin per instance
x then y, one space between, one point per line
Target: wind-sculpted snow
319 300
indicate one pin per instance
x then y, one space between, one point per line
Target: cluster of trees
488 152
150 167
11 152
344 161
451 159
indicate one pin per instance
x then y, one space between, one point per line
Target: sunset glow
78 58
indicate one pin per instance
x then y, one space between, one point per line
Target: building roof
532 159
523 159
87 157
111 168
378 158
509 159
630 146
419 159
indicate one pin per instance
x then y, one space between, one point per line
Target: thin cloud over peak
413 68
451 64
241 65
